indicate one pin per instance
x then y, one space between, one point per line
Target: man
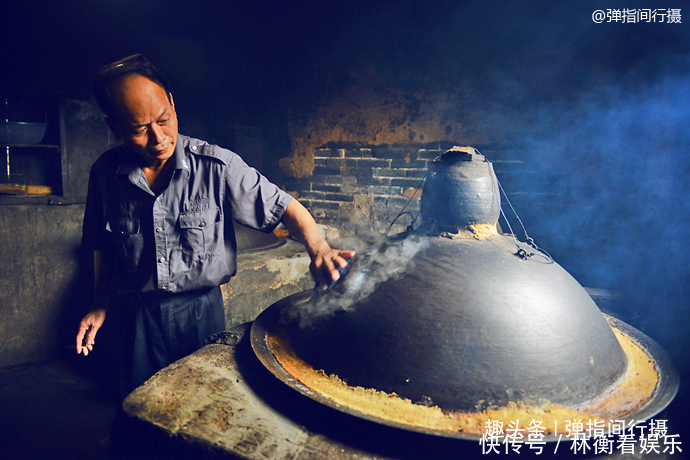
159 221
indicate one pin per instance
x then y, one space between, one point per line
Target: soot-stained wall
40 247
43 282
360 189
383 108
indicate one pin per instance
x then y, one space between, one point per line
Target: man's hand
324 265
88 328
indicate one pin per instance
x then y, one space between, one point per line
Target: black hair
109 74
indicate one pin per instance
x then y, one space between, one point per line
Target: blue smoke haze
619 157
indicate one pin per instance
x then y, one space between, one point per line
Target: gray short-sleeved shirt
182 239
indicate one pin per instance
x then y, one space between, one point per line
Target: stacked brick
363 188
358 188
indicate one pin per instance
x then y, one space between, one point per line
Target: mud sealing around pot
624 400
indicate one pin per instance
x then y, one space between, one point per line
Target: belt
161 295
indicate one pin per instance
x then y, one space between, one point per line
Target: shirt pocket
201 232
129 240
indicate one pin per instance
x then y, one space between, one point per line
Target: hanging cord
528 240
520 251
410 227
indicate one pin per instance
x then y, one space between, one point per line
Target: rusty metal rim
663 394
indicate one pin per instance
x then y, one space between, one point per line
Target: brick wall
363 188
358 188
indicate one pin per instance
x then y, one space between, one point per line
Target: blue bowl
19 132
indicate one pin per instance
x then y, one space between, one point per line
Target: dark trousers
159 330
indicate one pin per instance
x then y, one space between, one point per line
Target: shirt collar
129 162
179 156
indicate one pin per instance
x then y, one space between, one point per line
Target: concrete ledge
220 402
211 405
262 279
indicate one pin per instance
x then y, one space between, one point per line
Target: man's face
146 120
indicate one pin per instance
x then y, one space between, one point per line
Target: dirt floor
55 410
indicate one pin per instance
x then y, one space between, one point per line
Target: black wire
402 211
528 240
520 252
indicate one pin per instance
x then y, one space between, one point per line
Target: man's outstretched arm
92 322
325 260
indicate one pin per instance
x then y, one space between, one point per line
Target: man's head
139 107
107 75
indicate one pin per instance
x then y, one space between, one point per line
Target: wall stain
376 109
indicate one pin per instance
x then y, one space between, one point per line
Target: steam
375 263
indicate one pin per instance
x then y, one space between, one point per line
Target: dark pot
460 190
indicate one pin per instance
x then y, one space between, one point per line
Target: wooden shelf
32 146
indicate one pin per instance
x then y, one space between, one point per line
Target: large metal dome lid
268 329
464 323
468 326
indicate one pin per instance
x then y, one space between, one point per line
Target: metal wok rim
664 393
